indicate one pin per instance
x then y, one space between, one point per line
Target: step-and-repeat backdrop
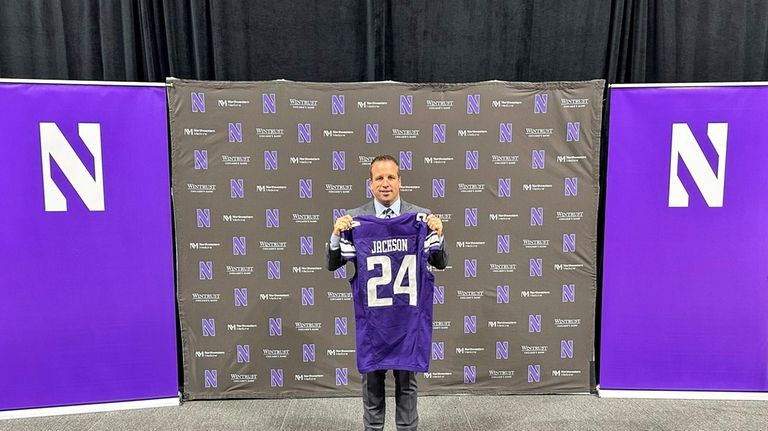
685 279
262 169
87 298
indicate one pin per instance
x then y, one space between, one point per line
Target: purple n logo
273 270
470 324
537 159
306 245
569 293
470 217
540 105
534 323
337 104
273 217
236 188
268 103
308 351
502 350
235 132
470 374
203 217
241 297
276 377
368 192
438 295
573 132
209 327
473 103
566 349
535 267
534 373
371 133
340 273
342 376
438 351
270 160
571 186
201 159
406 160
505 187
438 133
339 160
198 102
275 327
472 161
305 188
505 132
406 105
569 242
238 246
305 133
537 216
206 270
340 326
307 296
243 353
438 187
470 268
211 378
502 294
502 244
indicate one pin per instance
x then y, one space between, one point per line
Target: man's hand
435 224
342 223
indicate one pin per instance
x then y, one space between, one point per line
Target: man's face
385 181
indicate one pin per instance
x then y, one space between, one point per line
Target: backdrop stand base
89 408
683 395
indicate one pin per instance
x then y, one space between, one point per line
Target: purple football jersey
392 290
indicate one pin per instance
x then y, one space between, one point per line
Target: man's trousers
406 417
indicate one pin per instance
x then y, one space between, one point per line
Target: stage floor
519 412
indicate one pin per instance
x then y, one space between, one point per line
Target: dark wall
412 41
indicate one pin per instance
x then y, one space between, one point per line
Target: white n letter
684 146
54 145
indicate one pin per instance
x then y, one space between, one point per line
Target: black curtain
412 41
146 40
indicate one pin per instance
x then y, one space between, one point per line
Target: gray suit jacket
333 258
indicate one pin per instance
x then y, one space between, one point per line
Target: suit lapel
370 209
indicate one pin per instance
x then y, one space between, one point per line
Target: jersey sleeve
432 242
347 246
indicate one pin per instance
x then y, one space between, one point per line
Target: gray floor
540 412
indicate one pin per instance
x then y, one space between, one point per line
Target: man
385 185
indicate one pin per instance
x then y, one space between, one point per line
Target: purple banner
87 293
685 279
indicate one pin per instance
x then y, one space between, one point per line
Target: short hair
382 158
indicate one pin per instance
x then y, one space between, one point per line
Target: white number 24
408 265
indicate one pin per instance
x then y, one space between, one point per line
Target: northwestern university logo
235 132
338 104
473 104
211 378
198 102
406 105
54 145
438 351
686 148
